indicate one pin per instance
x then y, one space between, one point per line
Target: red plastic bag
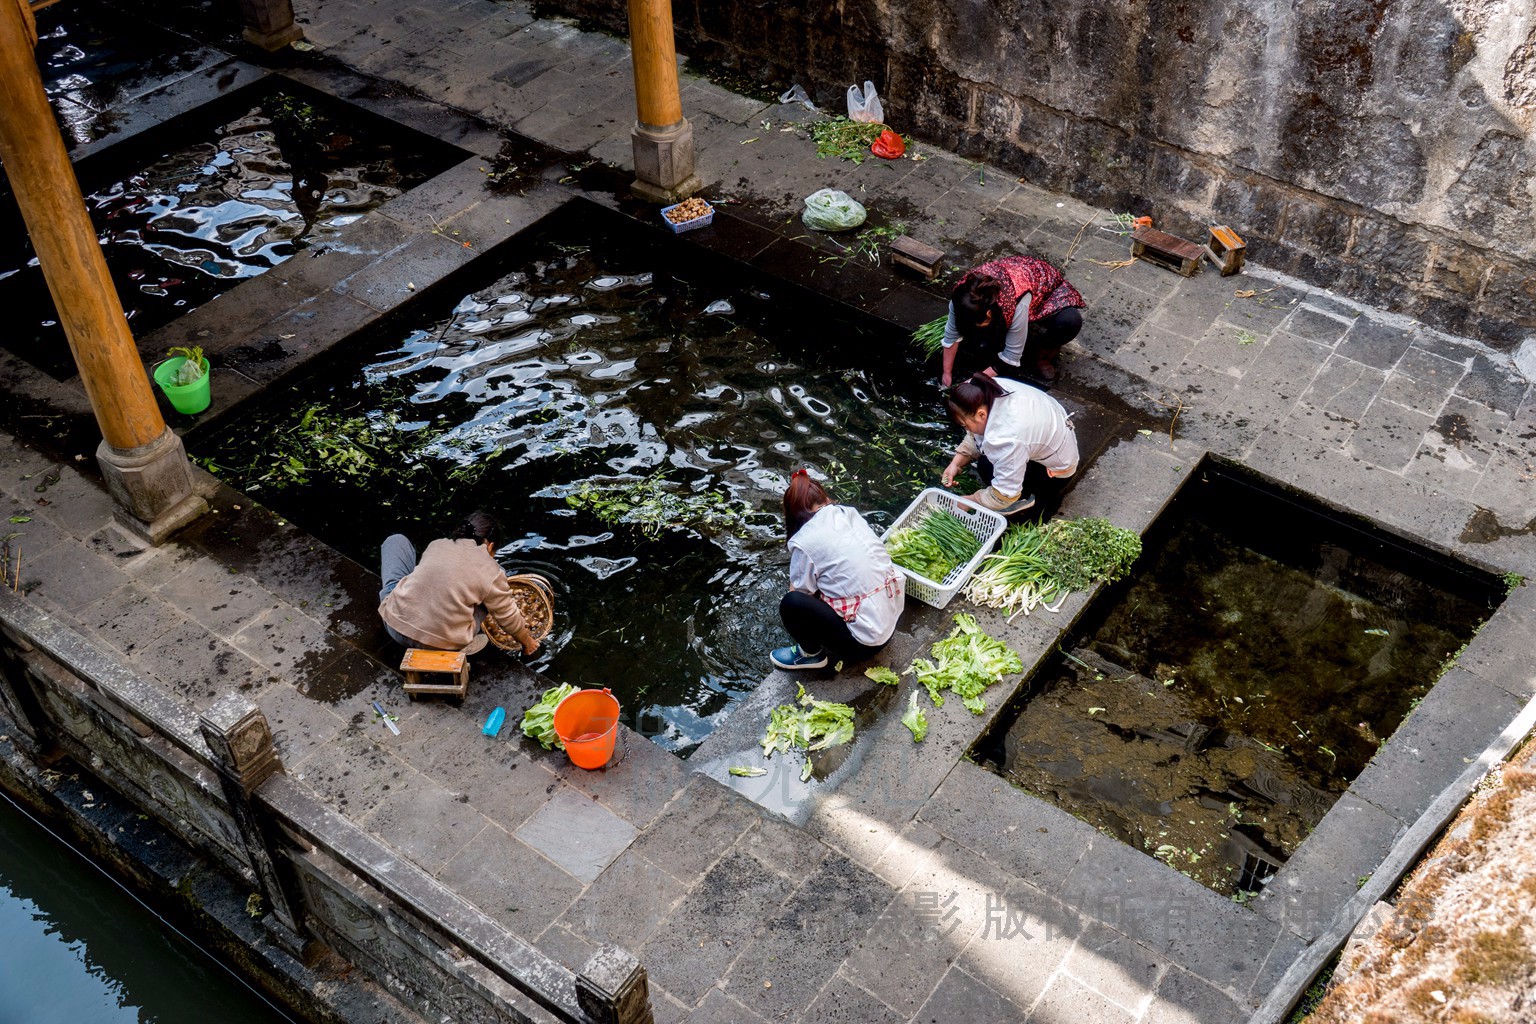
888 145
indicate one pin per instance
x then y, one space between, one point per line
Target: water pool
589 364
1211 708
193 207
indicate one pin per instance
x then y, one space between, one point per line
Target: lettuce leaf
539 720
881 674
915 720
968 661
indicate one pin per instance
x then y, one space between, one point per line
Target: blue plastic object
493 722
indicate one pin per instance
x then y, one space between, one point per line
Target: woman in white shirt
845 594
1008 425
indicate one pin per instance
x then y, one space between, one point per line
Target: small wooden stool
914 255
418 663
1226 249
1177 254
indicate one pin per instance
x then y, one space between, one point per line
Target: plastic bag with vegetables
830 210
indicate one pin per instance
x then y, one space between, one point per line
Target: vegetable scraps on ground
915 719
881 674
809 724
968 662
933 547
1037 564
539 720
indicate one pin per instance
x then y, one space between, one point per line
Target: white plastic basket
983 523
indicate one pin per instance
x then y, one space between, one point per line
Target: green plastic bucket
184 398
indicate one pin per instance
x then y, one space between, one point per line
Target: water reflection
77 949
596 374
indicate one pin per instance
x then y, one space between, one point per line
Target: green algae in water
1226 695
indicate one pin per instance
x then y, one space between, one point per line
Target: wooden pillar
143 460
662 139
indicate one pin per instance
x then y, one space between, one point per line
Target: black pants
1047 489
1046 337
817 628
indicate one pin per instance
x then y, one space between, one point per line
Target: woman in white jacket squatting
845 594
1008 425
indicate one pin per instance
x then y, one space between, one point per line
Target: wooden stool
418 663
1226 249
914 255
1177 254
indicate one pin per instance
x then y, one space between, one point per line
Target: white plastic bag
797 94
831 210
865 105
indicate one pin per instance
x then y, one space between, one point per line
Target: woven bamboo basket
536 600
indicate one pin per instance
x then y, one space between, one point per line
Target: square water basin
1210 709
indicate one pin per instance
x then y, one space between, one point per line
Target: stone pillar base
152 486
273 41
269 23
664 162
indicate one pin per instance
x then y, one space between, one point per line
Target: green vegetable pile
809 724
969 661
1037 564
933 547
929 338
653 505
539 720
838 136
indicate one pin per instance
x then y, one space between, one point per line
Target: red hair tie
802 471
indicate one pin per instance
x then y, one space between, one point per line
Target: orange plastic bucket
587 722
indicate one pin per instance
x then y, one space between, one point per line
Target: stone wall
1380 148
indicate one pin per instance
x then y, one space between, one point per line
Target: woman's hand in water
946 378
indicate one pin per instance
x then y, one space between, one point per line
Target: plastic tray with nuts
687 215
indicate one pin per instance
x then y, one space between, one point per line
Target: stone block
1039 843
1462 714
1343 388
1069 999
1182 998
803 943
843 1001
688 952
1347 846
960 997
611 988
1389 435
509 882
577 833
625 903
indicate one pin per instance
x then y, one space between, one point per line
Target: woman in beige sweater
438 603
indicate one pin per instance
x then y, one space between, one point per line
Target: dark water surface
193 208
599 358
75 948
1226 695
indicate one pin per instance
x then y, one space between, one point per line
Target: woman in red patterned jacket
1005 311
